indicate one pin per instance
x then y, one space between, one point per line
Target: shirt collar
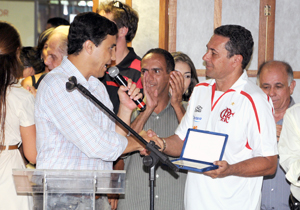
292 102
71 70
238 85
128 59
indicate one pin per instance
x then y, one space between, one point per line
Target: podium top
69 181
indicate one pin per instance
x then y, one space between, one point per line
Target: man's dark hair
240 41
89 26
168 57
30 58
57 21
123 16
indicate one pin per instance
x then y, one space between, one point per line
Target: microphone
72 83
115 73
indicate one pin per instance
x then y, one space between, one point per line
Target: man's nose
47 60
272 92
206 56
150 75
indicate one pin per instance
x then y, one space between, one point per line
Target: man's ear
292 87
88 46
237 60
123 31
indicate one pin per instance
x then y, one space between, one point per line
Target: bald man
276 79
57 47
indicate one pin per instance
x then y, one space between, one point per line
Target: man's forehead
274 74
110 40
274 69
217 40
62 29
155 58
53 42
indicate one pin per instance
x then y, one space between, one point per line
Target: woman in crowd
16 120
186 67
34 81
182 82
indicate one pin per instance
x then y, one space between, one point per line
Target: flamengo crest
226 114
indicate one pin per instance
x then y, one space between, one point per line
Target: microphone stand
150 160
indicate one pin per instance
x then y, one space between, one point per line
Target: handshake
150 135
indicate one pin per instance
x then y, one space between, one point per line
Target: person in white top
289 152
228 103
16 118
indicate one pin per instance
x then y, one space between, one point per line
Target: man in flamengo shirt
229 103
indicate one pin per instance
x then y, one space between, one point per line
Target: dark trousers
294 203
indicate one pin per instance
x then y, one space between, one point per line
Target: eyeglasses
120 5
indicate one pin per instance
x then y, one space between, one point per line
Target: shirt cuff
293 173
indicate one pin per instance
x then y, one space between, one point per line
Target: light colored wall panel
195 25
287 30
148 30
195 20
296 94
22 17
244 13
287 39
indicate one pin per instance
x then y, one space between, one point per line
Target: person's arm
257 166
173 144
261 138
289 145
27 82
133 145
32 90
28 135
126 104
177 88
152 102
125 110
140 120
179 110
78 120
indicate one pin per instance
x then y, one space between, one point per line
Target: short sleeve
25 111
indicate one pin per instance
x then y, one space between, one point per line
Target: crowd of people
51 127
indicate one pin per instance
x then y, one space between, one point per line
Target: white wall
147 34
287 39
21 15
148 30
195 27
